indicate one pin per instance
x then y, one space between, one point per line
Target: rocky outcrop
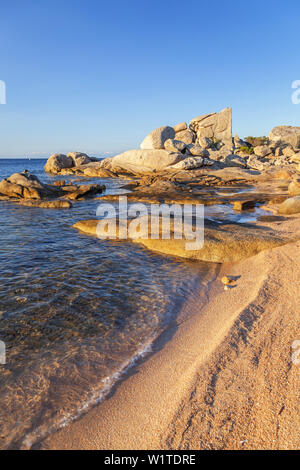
58 162
186 136
287 134
24 186
216 126
157 138
141 161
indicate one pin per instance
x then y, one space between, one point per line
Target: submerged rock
217 126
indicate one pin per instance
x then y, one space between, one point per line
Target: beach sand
222 377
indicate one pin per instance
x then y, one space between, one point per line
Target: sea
76 312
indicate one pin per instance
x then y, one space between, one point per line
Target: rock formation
287 134
208 136
216 126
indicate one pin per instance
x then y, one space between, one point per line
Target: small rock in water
21 299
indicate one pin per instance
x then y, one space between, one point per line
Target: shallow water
74 310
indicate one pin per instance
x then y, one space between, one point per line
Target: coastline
220 378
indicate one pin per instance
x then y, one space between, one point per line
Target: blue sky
97 76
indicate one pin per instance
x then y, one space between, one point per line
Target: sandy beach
222 377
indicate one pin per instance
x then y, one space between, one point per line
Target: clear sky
97 76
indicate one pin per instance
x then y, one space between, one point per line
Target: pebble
227 280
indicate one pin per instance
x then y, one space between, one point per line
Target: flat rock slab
58 204
224 243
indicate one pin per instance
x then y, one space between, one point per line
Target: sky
97 76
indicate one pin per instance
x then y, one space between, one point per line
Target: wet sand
222 377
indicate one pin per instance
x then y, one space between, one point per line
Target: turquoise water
74 310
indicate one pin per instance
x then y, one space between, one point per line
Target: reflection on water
73 311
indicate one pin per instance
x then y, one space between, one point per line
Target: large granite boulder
189 163
235 160
57 162
95 170
290 206
141 161
173 145
79 158
27 186
216 126
157 138
186 136
288 134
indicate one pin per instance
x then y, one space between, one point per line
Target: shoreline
209 382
